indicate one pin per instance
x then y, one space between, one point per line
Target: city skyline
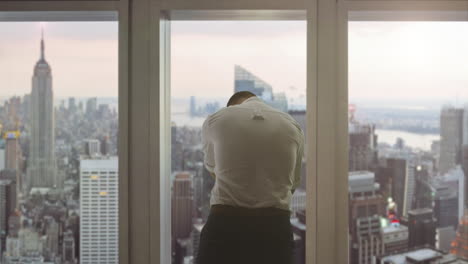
429 48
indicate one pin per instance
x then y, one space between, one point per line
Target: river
414 140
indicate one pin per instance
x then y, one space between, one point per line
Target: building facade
41 170
182 205
99 211
451 137
366 208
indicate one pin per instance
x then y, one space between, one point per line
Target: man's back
255 151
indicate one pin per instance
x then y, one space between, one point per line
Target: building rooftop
362 181
420 211
422 256
392 229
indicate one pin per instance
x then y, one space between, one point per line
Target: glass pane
58 147
209 62
408 141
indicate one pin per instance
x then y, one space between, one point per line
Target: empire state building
41 170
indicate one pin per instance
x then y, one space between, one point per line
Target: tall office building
92 147
41 170
2 153
396 175
13 157
196 232
464 160
7 207
72 104
366 208
465 126
409 191
445 206
449 197
362 147
460 244
193 106
445 237
99 211
182 205
465 169
91 106
12 150
68 248
451 136
247 81
52 233
422 225
395 238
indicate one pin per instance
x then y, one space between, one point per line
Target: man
254 152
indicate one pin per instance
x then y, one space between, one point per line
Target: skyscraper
247 81
92 147
12 150
460 244
366 207
91 106
13 156
193 106
182 205
395 238
7 207
464 159
398 177
41 170
465 126
68 248
362 146
99 211
465 170
451 136
421 224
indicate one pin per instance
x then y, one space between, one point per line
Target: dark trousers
246 236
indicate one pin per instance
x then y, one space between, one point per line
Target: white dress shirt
256 152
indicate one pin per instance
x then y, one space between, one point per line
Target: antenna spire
42 43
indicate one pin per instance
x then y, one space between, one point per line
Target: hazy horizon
388 61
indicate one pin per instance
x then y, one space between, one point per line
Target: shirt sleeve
298 167
208 148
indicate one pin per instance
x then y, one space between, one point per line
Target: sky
203 55
83 57
387 60
408 60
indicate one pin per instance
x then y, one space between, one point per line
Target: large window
210 60
58 149
408 141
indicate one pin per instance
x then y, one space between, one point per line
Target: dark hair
235 98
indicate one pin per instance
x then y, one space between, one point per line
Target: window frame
197 15
143 108
320 82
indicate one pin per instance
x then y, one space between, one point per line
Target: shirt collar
253 98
